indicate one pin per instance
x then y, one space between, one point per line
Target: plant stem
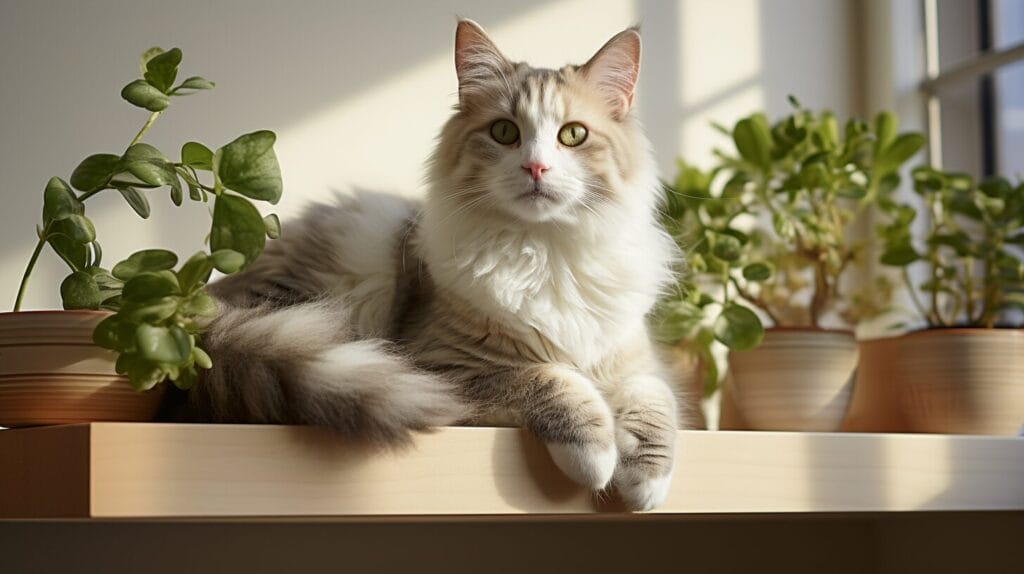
28 272
145 127
913 296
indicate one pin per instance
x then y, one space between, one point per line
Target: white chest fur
585 291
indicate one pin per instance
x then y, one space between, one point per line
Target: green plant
159 312
770 226
970 250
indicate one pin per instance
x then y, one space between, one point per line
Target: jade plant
970 254
159 309
768 231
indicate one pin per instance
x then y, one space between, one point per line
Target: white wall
356 90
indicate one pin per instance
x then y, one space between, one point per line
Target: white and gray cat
516 292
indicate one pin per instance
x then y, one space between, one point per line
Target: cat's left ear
614 70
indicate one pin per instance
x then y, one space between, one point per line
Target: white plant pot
52 373
796 380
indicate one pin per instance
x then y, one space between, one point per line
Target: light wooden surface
172 470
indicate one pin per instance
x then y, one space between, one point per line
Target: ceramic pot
876 405
52 373
796 380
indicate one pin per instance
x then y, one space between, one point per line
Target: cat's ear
614 69
477 59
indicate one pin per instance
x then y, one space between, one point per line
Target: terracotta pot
796 380
876 403
52 373
963 381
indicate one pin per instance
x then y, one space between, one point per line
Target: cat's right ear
477 60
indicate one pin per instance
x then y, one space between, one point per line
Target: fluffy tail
302 365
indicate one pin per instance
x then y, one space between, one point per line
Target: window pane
959 38
1007 23
1009 119
962 136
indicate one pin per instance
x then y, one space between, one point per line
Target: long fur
502 297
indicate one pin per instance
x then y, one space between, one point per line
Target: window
975 87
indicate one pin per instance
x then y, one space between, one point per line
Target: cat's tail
301 365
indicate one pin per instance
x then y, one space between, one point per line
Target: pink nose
536 168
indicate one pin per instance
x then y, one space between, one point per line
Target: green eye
504 132
572 134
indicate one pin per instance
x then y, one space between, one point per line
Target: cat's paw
642 494
591 465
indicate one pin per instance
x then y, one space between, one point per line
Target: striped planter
798 379
955 381
52 373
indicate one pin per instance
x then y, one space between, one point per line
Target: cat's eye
572 134
504 132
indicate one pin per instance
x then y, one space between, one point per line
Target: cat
516 292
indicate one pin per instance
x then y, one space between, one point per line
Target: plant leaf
140 93
136 200
169 345
162 70
197 155
759 271
237 225
95 171
249 166
273 225
227 260
738 328
143 261
192 85
116 333
59 201
73 253
80 291
195 272
753 142
150 285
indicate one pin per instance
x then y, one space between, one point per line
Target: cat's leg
565 410
646 420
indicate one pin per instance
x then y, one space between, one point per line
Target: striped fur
484 303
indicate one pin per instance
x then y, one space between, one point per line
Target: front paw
591 465
640 493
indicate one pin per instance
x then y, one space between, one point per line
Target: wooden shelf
125 470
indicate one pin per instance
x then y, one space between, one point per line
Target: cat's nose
536 168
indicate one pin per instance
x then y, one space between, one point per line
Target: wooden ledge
131 470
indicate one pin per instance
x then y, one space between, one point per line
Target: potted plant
963 373
770 227
137 323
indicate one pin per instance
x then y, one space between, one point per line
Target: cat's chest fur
583 295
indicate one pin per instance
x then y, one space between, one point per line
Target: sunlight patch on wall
720 71
381 137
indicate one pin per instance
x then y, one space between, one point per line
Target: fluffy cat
515 293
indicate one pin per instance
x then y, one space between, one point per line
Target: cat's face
535 144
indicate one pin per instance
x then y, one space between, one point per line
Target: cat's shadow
543 475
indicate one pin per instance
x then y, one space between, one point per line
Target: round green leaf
80 291
197 155
152 310
738 328
95 171
73 253
150 285
757 272
237 225
192 84
146 260
249 166
273 225
900 255
228 260
116 333
162 69
78 228
169 345
753 141
142 94
59 201
195 272
202 360
727 247
200 306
